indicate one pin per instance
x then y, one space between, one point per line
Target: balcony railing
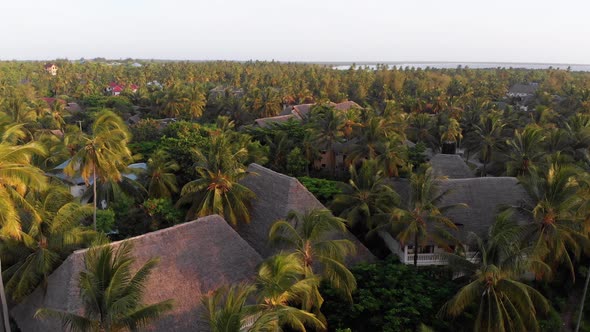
437 258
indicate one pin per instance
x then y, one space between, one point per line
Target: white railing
437 258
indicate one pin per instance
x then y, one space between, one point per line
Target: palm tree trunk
5 317
583 300
94 193
416 250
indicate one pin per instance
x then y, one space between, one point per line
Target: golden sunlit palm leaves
17 177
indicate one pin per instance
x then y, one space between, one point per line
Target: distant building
484 197
51 68
522 95
115 89
154 85
523 90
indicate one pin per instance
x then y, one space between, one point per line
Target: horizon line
339 62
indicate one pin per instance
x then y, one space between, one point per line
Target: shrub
391 297
324 190
105 220
163 212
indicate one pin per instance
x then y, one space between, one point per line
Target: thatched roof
303 110
523 89
346 105
266 122
451 166
484 197
195 259
276 195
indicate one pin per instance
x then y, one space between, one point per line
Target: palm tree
503 303
327 124
111 294
451 133
217 189
281 283
17 177
486 139
524 150
161 177
373 134
103 153
46 241
215 192
391 157
366 195
311 236
556 230
420 130
420 220
226 309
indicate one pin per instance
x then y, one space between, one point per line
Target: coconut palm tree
282 283
327 124
451 133
102 154
486 138
420 220
215 192
17 177
372 134
311 236
226 309
160 175
366 195
420 130
111 294
391 157
503 303
46 241
217 189
556 229
524 150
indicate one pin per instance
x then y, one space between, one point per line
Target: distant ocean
473 65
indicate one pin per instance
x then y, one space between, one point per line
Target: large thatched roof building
195 259
276 195
451 166
485 197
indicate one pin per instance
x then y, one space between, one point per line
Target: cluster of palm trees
286 287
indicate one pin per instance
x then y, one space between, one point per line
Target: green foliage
416 154
145 130
324 190
296 162
163 212
391 297
144 148
105 220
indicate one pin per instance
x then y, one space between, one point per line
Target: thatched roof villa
484 196
195 259
276 195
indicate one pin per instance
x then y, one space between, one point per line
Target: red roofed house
51 68
115 89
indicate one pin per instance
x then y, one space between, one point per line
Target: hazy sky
304 30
